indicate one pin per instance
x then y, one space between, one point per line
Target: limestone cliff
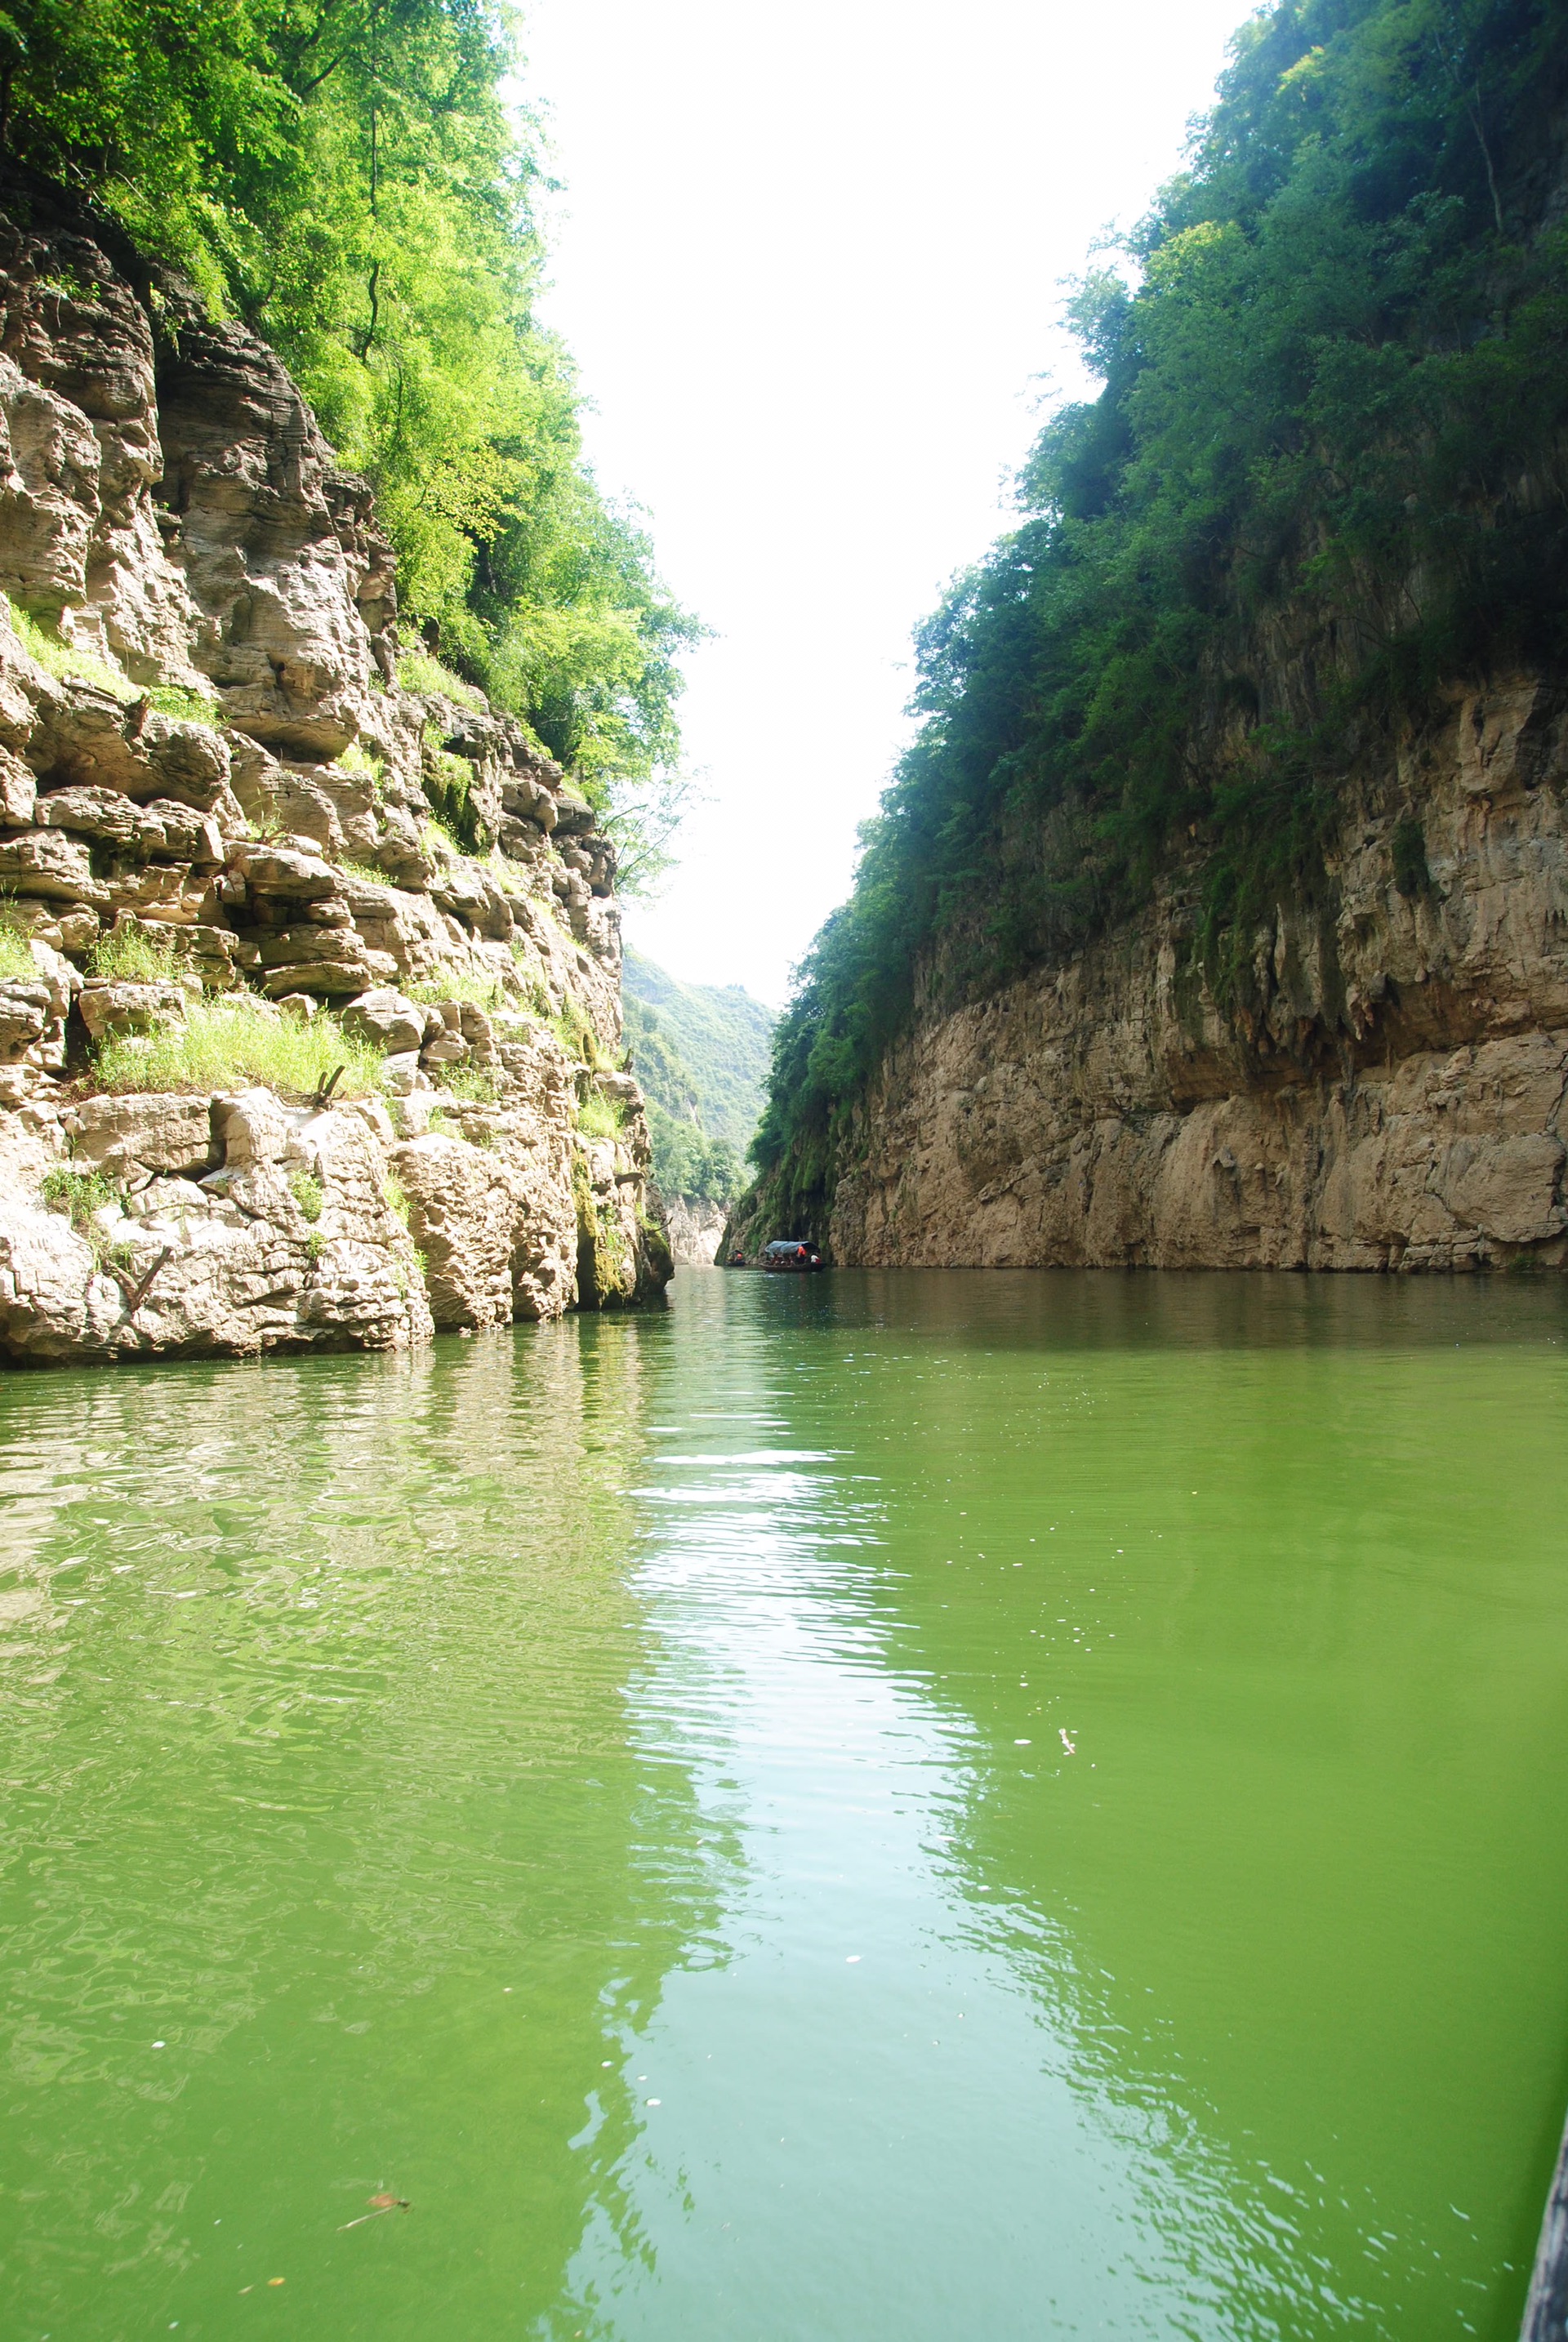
230 841
1387 1091
696 1225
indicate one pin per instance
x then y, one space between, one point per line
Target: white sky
810 262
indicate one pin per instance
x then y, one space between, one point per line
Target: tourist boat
792 1253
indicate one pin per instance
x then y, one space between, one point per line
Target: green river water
925 1807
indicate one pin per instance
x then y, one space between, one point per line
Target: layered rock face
1389 1094
229 841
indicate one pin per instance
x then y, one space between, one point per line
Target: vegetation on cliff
701 1054
349 177
1324 474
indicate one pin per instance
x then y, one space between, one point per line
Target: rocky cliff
696 1225
1384 1091
309 981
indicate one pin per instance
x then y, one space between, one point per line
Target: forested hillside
349 177
1323 484
700 1054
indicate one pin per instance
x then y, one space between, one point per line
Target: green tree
346 176
1334 361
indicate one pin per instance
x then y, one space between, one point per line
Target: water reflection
944 1806
926 2141
317 1875
1204 1972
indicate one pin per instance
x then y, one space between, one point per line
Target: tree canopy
1324 474
349 177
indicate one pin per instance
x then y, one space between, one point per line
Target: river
930 1806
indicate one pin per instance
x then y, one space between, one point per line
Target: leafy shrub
226 1044
308 1192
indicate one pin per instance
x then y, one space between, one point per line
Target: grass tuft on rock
458 983
78 1194
597 1118
468 1082
418 671
135 955
67 664
357 760
188 706
224 1044
17 960
396 1195
577 1036
439 842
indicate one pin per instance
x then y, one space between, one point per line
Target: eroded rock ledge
224 824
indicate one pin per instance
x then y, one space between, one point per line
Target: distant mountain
701 1052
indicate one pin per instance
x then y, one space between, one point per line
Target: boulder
447 1048
105 814
109 1004
163 893
331 978
179 831
618 1090
386 1018
521 840
251 1129
1510 1188
51 866
230 1268
133 1137
88 738
401 1074
275 870
276 798
186 761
